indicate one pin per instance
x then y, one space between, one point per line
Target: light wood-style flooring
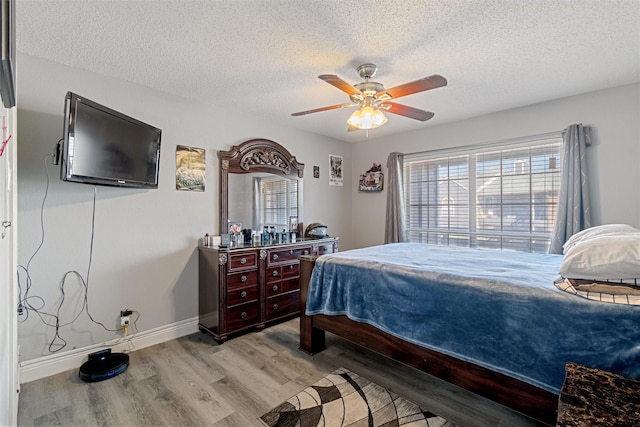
193 381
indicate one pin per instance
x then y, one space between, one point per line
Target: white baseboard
35 369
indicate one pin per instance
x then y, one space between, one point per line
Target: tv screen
105 147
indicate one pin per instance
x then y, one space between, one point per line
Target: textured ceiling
263 57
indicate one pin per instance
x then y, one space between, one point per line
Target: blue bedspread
497 309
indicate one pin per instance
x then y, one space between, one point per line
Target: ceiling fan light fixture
367 117
372 98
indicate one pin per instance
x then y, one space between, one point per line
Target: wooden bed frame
523 397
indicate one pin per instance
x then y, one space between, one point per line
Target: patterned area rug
344 398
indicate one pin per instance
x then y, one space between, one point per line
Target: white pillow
605 257
598 230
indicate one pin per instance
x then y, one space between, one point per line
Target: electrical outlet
124 317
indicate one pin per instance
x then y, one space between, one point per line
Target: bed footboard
523 397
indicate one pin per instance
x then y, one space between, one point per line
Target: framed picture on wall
190 168
372 180
335 170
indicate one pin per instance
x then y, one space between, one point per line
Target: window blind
498 197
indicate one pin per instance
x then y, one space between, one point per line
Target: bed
492 322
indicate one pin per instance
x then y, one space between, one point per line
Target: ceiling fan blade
317 110
339 83
352 128
412 113
427 83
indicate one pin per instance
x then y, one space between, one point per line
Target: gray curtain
395 229
574 212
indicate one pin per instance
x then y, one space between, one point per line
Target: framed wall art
372 180
335 170
190 168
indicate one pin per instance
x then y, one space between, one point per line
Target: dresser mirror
260 185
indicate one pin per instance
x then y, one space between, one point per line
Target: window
499 197
278 201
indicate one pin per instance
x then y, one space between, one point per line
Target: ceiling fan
372 98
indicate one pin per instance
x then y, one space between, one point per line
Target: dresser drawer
274 274
242 316
286 285
283 305
291 270
242 295
244 278
284 256
243 261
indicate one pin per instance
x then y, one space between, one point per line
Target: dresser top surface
306 241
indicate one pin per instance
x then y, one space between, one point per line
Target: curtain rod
519 140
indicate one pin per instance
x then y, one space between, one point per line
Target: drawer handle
243 315
275 307
275 288
291 251
243 261
306 251
291 267
243 278
275 273
275 257
243 294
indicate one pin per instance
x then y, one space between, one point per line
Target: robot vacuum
103 365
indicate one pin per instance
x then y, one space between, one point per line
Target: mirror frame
257 155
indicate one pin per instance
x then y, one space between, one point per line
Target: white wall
144 256
613 160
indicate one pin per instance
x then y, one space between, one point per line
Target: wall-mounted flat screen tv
102 146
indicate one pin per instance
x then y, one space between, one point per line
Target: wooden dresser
248 288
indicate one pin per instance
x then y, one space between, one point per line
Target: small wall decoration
335 163
316 171
190 168
372 180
